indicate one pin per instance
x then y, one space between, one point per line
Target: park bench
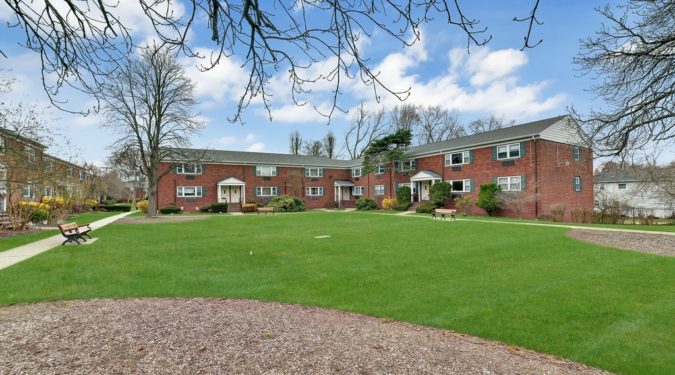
443 212
74 232
265 210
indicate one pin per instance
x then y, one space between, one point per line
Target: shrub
389 203
141 205
439 193
332 204
218 207
403 206
109 202
249 207
558 212
170 210
118 207
487 197
365 204
40 215
287 203
205 208
464 204
403 194
425 208
545 217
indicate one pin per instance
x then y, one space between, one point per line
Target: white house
634 189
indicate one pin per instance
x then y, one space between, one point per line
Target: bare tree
438 124
313 148
517 201
330 145
149 102
294 143
487 124
406 117
366 127
631 58
81 41
126 159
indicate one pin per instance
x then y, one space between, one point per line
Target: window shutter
175 169
581 184
494 152
306 172
255 191
203 191
413 166
276 171
203 168
522 148
470 186
255 170
471 156
523 180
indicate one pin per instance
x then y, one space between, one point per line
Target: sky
497 79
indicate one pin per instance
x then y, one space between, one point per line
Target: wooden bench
265 210
443 212
74 232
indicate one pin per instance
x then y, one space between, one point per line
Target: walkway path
18 254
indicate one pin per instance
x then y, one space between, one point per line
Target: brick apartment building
28 173
544 160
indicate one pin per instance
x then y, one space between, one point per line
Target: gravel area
212 336
661 244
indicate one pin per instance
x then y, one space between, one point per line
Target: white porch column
219 187
412 196
243 194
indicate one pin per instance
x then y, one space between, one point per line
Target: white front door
346 195
235 194
424 190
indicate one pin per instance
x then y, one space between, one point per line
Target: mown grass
523 285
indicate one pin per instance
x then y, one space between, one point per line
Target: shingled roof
243 157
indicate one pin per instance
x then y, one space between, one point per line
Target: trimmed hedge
219 207
287 203
425 208
403 206
365 204
116 207
170 210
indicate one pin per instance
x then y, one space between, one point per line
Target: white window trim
625 186
3 180
354 174
406 165
465 158
28 185
576 153
508 151
377 169
273 191
509 183
577 178
2 145
465 183
30 153
271 169
378 187
196 167
359 190
180 192
46 189
319 172
309 193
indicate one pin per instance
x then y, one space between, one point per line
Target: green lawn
524 285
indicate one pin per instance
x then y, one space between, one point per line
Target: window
576 153
404 166
69 170
314 191
265 170
356 172
265 191
511 183
622 186
82 175
461 186
358 190
508 151
2 145
577 183
189 169
49 167
457 158
314 172
30 153
379 189
27 190
380 168
47 192
190 191
3 181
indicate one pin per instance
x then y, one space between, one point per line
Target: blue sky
497 79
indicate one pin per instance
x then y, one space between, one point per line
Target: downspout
536 178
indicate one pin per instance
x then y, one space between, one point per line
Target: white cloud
226 81
226 141
256 147
487 66
250 138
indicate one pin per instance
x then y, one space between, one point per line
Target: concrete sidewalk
18 254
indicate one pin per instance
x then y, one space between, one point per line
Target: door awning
344 183
426 176
231 182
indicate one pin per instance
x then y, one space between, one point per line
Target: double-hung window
189 191
3 181
48 191
508 151
380 168
458 158
314 191
27 190
460 186
510 183
265 170
404 166
379 189
191 168
358 190
576 153
356 172
314 172
83 175
577 183
266 191
30 153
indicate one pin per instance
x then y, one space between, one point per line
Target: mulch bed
653 243
194 336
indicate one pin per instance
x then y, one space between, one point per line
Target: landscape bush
40 215
487 197
582 216
218 208
287 203
118 207
558 212
464 204
205 208
404 206
364 203
403 194
142 206
439 193
331 205
425 208
170 210
389 203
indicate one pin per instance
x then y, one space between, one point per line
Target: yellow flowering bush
389 203
143 205
91 203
